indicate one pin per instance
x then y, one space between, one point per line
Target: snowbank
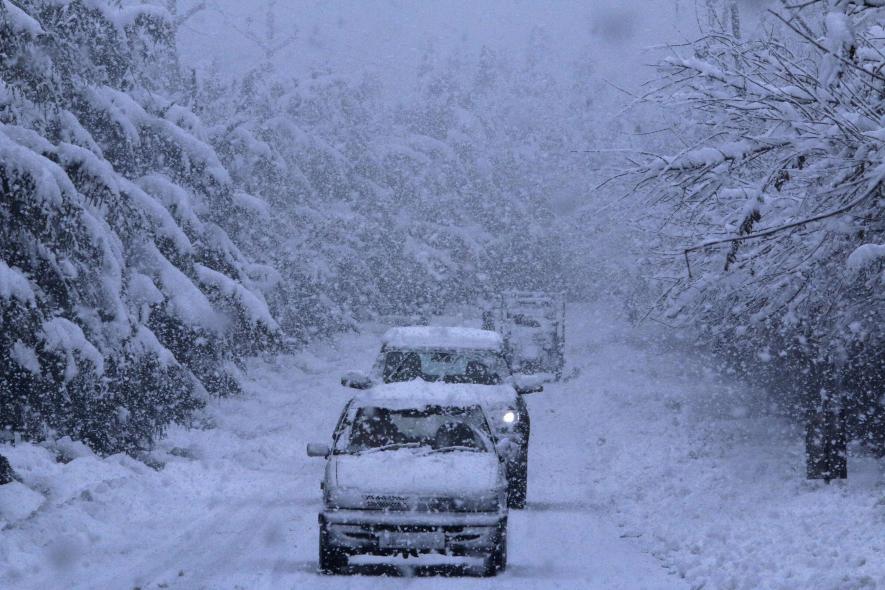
17 502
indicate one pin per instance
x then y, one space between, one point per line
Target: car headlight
509 417
336 498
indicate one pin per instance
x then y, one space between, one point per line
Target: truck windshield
521 319
449 366
438 428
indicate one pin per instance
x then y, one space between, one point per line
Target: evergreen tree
123 299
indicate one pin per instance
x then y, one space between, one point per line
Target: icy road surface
646 472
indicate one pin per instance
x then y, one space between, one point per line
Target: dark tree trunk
6 472
826 443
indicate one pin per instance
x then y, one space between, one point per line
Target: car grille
426 504
374 502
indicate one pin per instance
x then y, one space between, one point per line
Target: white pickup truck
533 327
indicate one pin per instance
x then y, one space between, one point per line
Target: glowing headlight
509 417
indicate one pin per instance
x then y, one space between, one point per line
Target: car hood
411 472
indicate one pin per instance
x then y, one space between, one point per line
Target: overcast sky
388 37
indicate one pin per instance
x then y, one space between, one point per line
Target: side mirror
530 389
356 380
318 450
526 384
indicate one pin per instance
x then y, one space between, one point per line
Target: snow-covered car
474 360
413 469
533 326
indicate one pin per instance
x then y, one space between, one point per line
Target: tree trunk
7 475
826 444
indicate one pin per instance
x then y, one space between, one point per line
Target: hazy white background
389 37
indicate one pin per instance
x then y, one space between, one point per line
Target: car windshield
482 367
439 428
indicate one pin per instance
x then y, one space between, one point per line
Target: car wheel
332 559
496 560
517 488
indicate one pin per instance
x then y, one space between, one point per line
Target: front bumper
379 532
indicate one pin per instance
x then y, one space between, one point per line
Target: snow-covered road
626 462
259 530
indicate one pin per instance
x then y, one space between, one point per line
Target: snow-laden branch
819 46
875 191
187 15
785 133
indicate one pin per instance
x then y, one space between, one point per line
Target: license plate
396 540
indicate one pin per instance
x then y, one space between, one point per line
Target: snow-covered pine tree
384 210
122 297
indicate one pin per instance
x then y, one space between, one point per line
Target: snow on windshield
449 366
437 427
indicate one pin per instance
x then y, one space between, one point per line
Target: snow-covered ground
647 470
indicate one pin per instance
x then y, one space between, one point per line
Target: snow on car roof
420 393
442 337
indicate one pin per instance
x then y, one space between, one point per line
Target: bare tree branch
183 18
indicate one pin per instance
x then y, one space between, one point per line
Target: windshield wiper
456 448
390 447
